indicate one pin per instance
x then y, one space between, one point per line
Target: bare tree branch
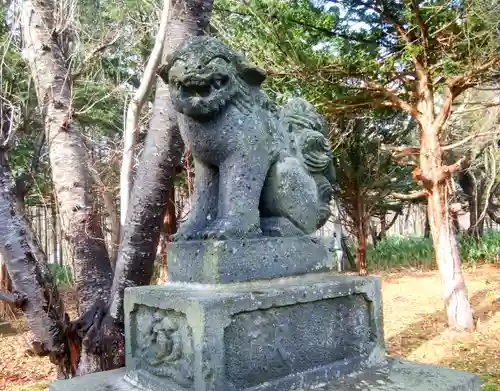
401 150
424 33
452 168
396 100
94 53
411 196
482 107
134 109
466 140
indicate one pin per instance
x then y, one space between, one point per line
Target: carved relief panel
163 345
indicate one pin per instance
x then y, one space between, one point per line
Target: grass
62 274
417 252
41 386
491 382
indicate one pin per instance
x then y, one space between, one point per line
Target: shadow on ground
432 325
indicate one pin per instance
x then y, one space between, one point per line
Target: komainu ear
252 74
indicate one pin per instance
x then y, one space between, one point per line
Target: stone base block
398 375
227 261
395 375
262 335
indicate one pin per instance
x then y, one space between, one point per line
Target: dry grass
415 329
415 322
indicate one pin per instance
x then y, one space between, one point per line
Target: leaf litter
414 325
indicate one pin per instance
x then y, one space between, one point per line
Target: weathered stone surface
395 375
259 168
255 335
213 261
399 375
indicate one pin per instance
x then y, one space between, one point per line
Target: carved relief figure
259 168
165 348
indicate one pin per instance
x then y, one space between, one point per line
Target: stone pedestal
260 315
393 375
277 335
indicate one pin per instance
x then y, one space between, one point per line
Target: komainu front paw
187 231
231 227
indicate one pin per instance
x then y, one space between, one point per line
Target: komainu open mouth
204 88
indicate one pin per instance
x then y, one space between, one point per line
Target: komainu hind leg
290 194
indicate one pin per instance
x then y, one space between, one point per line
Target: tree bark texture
27 265
162 155
68 158
362 229
108 200
459 312
5 286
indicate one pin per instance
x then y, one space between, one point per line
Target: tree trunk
362 246
53 220
68 160
436 180
458 308
36 294
383 228
108 200
362 226
427 226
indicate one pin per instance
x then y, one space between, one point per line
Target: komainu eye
218 60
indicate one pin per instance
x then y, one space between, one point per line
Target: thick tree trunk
69 162
458 308
436 180
162 156
68 158
35 291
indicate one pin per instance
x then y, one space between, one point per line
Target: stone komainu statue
259 168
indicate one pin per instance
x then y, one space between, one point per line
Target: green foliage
484 249
307 53
491 382
404 252
417 252
62 274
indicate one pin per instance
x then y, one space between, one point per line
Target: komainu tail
308 134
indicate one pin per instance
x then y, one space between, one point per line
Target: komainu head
204 74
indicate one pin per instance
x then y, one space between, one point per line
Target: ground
415 329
